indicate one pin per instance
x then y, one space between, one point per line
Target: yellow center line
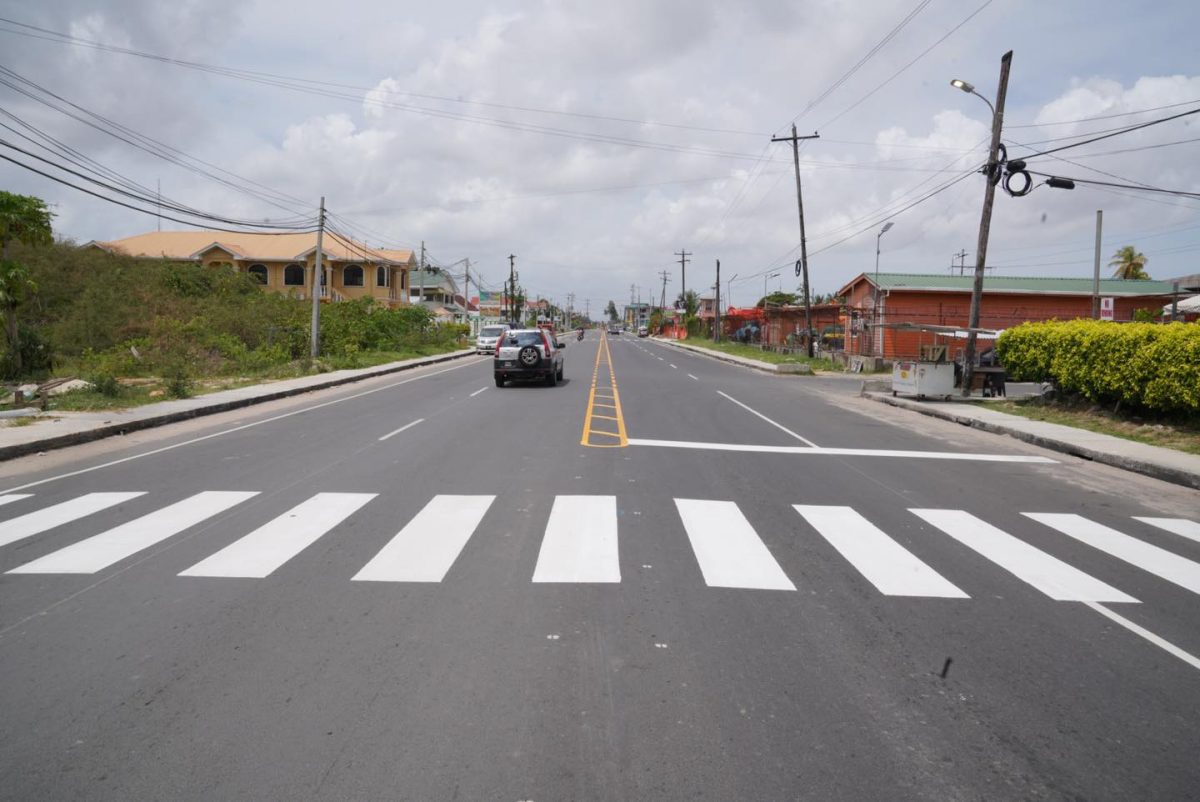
608 393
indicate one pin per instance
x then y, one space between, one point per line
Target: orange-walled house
944 300
284 262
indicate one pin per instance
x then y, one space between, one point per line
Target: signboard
1106 308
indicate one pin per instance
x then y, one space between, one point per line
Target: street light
875 318
991 175
765 280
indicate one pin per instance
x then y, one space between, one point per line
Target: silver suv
523 354
486 342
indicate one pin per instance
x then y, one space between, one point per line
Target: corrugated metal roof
267 247
935 282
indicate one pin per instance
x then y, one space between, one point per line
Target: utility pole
795 140
717 311
421 299
512 288
1096 271
315 344
662 304
985 224
683 260
467 296
961 256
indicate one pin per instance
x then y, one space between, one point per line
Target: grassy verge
136 392
770 357
1179 434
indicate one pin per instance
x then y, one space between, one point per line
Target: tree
611 311
778 299
690 304
24 219
1129 264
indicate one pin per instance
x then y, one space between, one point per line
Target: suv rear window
524 338
492 331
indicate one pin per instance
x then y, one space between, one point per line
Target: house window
293 275
381 276
352 276
259 272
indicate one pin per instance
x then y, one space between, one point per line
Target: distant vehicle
643 331
488 335
528 354
614 328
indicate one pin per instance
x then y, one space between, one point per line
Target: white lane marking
1165 645
264 550
779 426
40 520
1179 526
580 544
841 452
887 565
690 376
477 392
1050 575
11 497
729 551
674 366
102 550
234 429
1160 562
401 429
427 546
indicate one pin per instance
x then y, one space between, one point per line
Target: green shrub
106 385
1143 365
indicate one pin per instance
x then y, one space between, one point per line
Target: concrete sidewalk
52 430
1166 464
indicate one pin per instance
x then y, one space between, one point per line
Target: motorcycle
579 336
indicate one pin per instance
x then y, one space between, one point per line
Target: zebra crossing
580 543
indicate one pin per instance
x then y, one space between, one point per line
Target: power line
1103 116
1176 192
1117 132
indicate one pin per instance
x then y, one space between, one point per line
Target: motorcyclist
579 333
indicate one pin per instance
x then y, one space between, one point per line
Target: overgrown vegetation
1145 367
112 319
1182 434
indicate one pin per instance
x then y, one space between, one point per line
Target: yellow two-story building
284 263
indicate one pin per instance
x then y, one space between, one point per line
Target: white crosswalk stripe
428 545
101 551
1179 526
885 563
264 550
1050 575
11 497
39 521
1148 557
580 544
729 551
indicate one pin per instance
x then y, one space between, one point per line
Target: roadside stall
937 369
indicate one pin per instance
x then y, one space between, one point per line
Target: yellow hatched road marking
597 391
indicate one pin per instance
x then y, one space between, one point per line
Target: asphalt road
325 598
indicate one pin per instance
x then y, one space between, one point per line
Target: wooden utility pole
1096 271
795 140
662 304
717 311
683 260
512 288
985 224
315 344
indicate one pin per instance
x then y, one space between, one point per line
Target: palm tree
1129 264
24 219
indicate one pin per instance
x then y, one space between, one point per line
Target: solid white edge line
237 428
402 428
779 426
843 452
477 392
1165 645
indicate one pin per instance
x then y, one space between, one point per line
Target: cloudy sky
594 140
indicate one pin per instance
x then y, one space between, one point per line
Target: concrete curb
1154 470
137 424
795 369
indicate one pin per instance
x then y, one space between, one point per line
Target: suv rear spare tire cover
529 356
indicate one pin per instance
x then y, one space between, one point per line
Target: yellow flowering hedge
1145 365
